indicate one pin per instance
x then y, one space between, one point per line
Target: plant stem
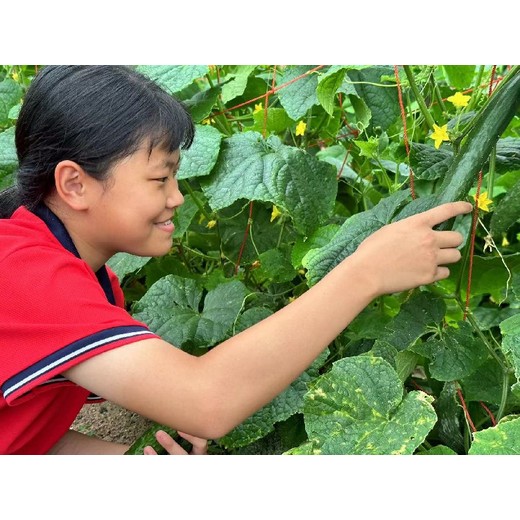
189 189
419 97
475 96
502 362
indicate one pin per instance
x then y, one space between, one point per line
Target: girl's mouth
166 226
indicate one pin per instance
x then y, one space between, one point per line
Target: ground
110 422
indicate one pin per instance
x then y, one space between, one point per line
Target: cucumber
148 439
483 134
485 131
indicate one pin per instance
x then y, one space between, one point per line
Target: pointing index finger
446 211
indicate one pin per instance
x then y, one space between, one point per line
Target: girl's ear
71 183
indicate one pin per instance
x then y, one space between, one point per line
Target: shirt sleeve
55 315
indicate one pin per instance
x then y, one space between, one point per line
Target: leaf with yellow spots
502 439
358 408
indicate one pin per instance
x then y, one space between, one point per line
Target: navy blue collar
57 228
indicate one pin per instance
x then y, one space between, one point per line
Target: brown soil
110 422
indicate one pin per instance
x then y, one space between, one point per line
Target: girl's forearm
76 443
251 368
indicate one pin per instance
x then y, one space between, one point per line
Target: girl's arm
209 395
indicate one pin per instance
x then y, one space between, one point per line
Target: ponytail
10 201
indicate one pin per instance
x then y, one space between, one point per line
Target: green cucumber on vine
475 148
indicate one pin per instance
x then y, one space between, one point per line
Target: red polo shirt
55 312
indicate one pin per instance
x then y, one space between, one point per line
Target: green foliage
268 213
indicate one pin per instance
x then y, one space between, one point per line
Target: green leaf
185 214
448 428
286 404
10 95
438 450
299 96
277 121
125 263
237 86
321 237
428 163
422 310
8 157
510 329
355 229
455 355
380 96
358 408
362 112
489 275
173 78
459 76
275 266
502 439
254 169
171 309
201 104
335 155
485 384
250 317
328 85
507 212
202 155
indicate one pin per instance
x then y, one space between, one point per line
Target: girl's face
133 210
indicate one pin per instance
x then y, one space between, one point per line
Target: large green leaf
10 95
507 212
448 428
328 85
201 104
321 237
171 309
420 311
238 83
252 168
428 163
202 155
358 408
380 96
459 76
489 275
485 384
502 439
456 354
355 229
173 78
286 404
510 329
8 158
299 96
125 263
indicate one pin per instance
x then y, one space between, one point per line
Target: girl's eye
162 179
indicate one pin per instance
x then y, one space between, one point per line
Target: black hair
93 115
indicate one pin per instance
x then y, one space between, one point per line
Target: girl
98 149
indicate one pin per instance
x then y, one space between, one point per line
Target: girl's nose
175 197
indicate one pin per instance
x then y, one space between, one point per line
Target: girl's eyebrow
171 165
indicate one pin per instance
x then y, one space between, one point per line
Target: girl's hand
199 446
409 253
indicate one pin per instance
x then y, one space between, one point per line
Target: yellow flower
440 133
211 224
258 108
483 202
15 76
505 242
300 128
208 121
459 100
275 213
